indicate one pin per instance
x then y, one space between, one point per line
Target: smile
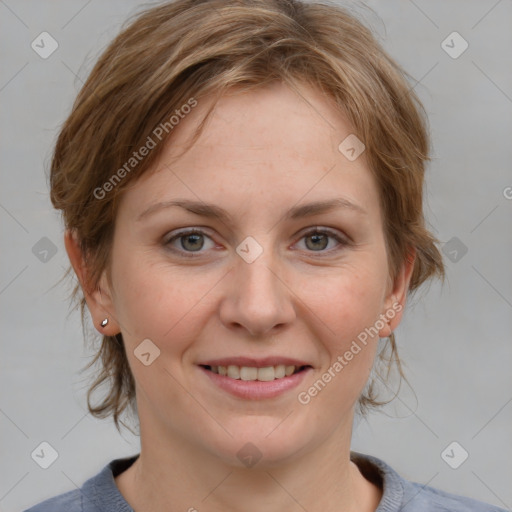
265 381
251 373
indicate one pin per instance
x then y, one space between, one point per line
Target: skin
262 153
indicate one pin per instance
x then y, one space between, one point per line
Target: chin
260 444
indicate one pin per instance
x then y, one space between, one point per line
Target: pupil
318 238
197 243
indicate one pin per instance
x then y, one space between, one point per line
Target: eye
193 241
190 241
317 240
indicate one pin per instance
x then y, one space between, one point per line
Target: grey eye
192 241
318 241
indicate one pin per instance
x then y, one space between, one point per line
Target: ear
99 297
397 296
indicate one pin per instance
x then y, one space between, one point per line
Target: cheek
349 347
164 306
350 302
159 302
349 307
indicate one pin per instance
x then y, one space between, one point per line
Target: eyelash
195 254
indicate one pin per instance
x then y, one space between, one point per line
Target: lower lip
256 389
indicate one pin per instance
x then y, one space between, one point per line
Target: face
271 282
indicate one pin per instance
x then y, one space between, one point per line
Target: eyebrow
215 212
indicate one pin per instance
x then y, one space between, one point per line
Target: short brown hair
192 48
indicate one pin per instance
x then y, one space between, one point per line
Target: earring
104 322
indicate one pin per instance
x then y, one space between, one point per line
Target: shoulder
401 495
419 498
97 494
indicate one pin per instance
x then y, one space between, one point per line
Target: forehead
289 121
268 146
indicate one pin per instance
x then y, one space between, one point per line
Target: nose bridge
258 280
258 299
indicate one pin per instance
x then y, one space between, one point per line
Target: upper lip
252 362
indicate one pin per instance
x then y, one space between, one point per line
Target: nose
257 298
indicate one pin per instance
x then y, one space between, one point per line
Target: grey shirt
100 493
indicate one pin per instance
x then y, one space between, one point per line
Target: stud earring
104 322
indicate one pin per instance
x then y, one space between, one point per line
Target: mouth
255 379
255 373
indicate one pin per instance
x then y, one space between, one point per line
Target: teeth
280 371
247 373
234 372
265 374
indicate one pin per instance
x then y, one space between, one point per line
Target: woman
241 184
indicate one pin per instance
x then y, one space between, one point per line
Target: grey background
455 340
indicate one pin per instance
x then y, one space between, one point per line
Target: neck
170 473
